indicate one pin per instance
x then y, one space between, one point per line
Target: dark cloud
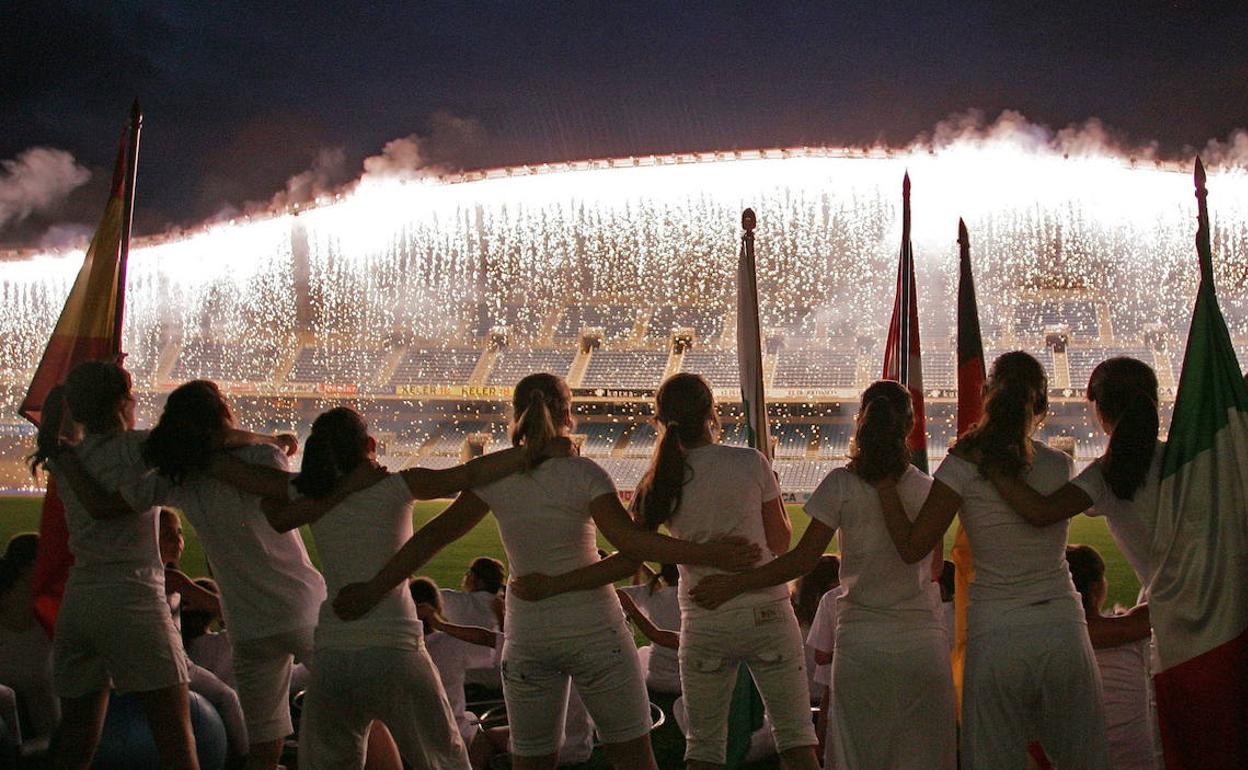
241 98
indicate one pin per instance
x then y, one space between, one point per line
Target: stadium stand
1081 361
221 361
834 439
514 363
719 367
641 442
449 366
792 440
600 437
616 321
1031 317
521 321
804 475
940 368
624 471
624 369
706 324
312 365
816 368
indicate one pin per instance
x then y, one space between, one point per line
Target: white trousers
902 690
1036 682
399 687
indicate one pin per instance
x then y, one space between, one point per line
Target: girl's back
355 540
123 543
544 520
723 496
1015 562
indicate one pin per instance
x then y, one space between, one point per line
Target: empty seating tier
436 366
513 364
624 369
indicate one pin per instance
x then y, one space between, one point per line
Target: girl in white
114 628
547 518
25 649
378 668
701 491
1120 642
1030 674
1122 484
890 669
270 592
654 605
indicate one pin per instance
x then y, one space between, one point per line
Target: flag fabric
902 360
1198 595
745 715
87 330
971 378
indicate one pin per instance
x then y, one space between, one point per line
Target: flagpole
127 218
903 355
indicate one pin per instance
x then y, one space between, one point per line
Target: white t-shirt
450 656
1124 679
112 549
723 496
356 539
882 594
822 636
663 608
474 608
543 518
268 584
1016 565
1131 522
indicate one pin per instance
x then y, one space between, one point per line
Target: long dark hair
885 417
192 425
814 584
541 403
425 591
92 392
1015 394
1125 391
337 444
684 407
1086 567
490 574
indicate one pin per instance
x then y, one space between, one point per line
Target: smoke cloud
1092 137
37 181
447 146
327 172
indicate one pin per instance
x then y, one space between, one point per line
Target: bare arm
915 540
661 636
641 545
1120 629
537 586
477 635
1041 510
354 600
284 515
194 596
714 590
100 503
259 480
777 528
427 483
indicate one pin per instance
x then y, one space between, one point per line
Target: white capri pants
768 640
263 669
901 688
1033 683
604 668
400 687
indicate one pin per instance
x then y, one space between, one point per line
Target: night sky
240 97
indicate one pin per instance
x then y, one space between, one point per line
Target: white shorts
116 635
660 677
400 687
604 668
768 640
262 670
1033 683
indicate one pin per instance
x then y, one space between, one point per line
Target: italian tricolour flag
1198 596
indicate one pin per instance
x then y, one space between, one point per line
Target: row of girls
721 506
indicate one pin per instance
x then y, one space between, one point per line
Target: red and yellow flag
902 359
89 329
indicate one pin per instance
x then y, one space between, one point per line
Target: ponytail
684 409
538 401
48 439
337 444
884 422
1015 396
1124 390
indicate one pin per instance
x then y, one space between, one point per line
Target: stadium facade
423 301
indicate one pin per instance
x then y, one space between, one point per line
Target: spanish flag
902 359
89 329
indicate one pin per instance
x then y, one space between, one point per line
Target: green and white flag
1198 596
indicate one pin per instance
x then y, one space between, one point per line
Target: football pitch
19 514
